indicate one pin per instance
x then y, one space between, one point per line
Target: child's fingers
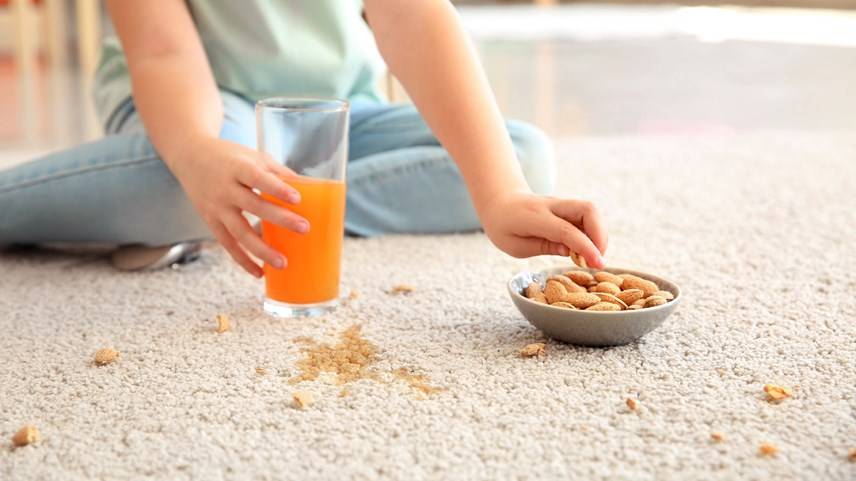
238 255
534 246
250 240
265 181
584 215
270 212
558 230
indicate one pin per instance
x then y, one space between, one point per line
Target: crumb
768 449
26 435
303 340
717 437
632 404
344 392
534 349
349 359
223 323
776 393
302 399
260 370
419 382
401 289
105 356
353 295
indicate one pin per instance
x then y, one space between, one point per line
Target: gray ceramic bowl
591 328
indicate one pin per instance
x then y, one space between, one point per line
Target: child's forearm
174 89
426 48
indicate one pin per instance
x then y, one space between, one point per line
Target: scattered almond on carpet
767 449
632 404
105 356
302 399
852 455
223 323
401 289
776 393
261 371
26 435
717 437
534 349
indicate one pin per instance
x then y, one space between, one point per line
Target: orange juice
311 274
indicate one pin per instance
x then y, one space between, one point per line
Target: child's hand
219 177
525 224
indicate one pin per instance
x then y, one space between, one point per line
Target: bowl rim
674 302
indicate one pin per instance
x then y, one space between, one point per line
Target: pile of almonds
602 291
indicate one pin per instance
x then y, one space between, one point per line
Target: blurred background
593 68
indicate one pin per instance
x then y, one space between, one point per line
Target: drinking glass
309 136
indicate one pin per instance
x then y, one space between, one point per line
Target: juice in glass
311 275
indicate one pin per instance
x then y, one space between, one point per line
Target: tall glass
309 136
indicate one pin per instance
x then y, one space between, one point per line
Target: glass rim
303 104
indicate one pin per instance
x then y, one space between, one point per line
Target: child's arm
426 48
178 101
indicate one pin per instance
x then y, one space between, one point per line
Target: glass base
284 309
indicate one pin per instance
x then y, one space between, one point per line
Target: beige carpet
759 230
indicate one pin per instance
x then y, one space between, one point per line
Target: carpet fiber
757 228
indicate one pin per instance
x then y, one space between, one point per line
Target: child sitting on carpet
175 93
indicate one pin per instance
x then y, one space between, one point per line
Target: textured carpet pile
758 229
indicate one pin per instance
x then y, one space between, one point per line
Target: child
178 163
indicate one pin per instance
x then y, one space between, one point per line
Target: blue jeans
117 190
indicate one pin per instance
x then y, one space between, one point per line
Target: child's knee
535 154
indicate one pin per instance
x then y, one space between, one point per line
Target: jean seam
397 170
69 173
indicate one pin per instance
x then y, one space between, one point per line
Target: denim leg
115 190
401 180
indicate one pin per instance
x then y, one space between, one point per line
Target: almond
579 260
532 290
639 303
555 291
105 356
609 287
717 437
776 393
582 300
26 435
635 282
540 298
632 404
654 301
534 349
223 323
581 278
630 295
570 285
566 305
665 295
604 306
607 297
603 276
633 307
767 449
302 399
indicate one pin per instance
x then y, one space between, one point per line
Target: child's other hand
219 177
525 224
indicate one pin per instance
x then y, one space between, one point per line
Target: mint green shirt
266 48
